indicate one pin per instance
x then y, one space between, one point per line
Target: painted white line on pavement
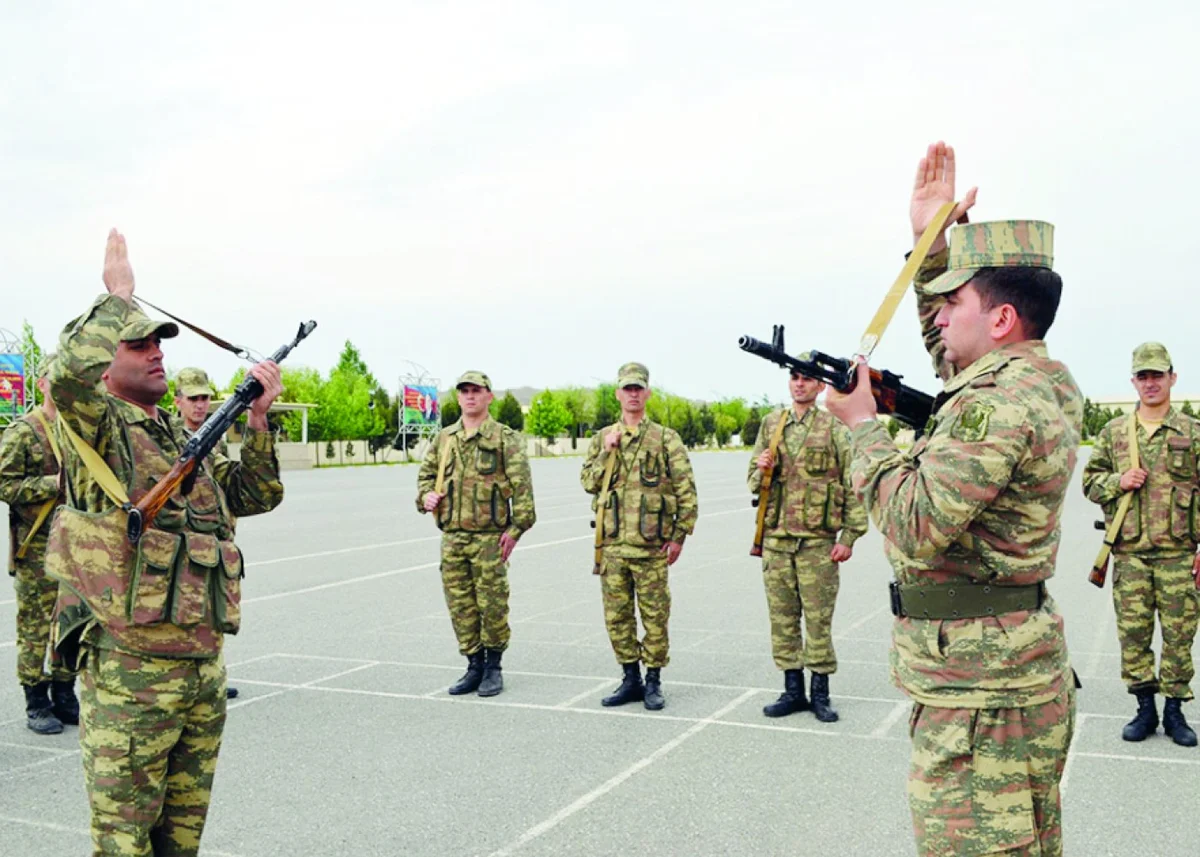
55 750
894 716
606 787
79 831
864 620
591 691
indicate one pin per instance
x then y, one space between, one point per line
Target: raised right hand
1133 479
934 187
118 273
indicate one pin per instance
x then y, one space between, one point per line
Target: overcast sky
544 190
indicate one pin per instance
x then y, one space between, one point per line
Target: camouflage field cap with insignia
140 326
805 356
192 382
633 375
1151 357
474 377
994 244
44 365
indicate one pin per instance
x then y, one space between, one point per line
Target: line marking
591 691
860 622
894 716
79 831
55 750
242 703
603 789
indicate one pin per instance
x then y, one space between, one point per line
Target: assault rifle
182 475
906 404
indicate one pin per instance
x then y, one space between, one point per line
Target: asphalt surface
343 740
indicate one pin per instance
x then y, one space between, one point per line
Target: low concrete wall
292 456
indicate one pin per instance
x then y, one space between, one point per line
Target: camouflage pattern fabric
1146 584
625 580
475 582
28 478
149 734
802 585
652 499
1165 512
812 496
987 781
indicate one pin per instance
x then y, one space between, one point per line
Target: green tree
708 422
548 416
302 384
451 412
509 412
607 409
690 432
580 405
1187 409
749 430
32 353
725 427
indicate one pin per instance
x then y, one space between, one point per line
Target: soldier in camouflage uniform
1155 565
193 395
29 485
651 509
971 523
809 500
483 507
146 621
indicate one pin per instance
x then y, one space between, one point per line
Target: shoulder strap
96 466
443 458
1114 528
41 418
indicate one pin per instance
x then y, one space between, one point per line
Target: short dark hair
1033 292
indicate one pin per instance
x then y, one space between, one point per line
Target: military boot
792 699
653 697
38 713
1145 722
819 692
1175 725
231 692
492 682
471 678
63 703
631 689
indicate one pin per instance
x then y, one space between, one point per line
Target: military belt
963 600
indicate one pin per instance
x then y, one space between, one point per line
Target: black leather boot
653 697
492 682
1175 724
1145 722
631 689
819 692
792 699
231 692
63 703
38 713
471 678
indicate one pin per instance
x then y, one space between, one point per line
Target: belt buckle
894 598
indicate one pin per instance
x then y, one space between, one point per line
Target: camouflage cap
44 365
192 382
633 375
473 377
1151 357
805 356
994 244
138 325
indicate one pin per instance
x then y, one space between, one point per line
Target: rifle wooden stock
146 509
764 485
1098 575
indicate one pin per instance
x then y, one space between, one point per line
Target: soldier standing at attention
651 508
971 523
29 484
809 500
147 621
1155 565
193 395
476 479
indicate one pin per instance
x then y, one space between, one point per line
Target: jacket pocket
228 600
190 605
150 592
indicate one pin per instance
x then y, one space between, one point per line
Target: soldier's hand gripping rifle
200 444
891 397
910 406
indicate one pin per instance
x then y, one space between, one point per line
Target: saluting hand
934 188
118 273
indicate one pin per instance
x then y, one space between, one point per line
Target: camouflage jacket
28 478
978 498
489 488
1165 512
811 496
652 497
177 611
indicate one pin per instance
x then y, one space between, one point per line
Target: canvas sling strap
1100 566
887 309
240 350
602 505
764 488
47 507
97 467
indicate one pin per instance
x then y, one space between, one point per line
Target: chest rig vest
641 501
478 494
24 520
806 496
1165 511
174 593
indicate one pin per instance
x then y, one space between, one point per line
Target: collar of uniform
489 428
636 431
131 413
995 360
1175 420
808 415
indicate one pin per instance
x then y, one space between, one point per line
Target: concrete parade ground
344 741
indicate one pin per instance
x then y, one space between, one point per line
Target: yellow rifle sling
764 487
443 458
1114 528
46 508
602 505
887 309
96 466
